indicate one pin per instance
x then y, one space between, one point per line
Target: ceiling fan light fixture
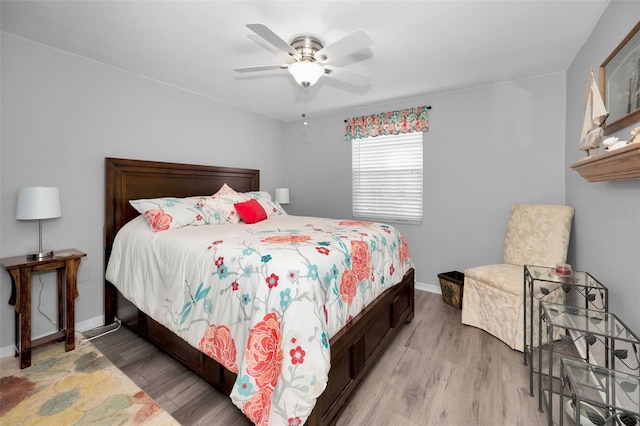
306 73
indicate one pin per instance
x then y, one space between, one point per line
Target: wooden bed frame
354 350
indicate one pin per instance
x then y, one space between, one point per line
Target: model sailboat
594 116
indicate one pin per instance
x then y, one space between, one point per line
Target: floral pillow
225 190
272 207
223 202
172 213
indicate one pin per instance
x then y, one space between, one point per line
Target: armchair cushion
508 278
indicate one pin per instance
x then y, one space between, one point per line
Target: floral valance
388 123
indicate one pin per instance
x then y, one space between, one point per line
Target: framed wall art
620 83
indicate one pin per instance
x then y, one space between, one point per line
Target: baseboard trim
89 324
431 288
81 326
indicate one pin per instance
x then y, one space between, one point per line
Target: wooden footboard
358 346
354 350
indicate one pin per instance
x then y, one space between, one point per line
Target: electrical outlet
84 273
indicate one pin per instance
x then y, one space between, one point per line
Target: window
387 177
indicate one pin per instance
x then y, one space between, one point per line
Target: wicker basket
452 286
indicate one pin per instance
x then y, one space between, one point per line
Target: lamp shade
38 202
306 73
282 195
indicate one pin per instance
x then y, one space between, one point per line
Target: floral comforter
263 299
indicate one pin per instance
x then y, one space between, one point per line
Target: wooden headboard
134 179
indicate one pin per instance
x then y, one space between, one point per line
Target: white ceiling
420 47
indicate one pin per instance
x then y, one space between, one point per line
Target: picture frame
620 83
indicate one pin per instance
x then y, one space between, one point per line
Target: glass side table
603 331
605 396
542 284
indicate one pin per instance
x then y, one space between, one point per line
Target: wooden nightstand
66 262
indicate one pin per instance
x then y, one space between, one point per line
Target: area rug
80 387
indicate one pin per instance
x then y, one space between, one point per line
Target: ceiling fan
311 60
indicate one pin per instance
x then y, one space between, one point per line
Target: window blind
387 177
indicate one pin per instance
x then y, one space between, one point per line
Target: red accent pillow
251 211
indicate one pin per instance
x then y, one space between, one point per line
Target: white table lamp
38 203
282 195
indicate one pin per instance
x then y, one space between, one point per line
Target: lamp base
39 256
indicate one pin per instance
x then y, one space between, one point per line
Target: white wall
487 148
606 238
61 116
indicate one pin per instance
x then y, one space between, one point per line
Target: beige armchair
537 234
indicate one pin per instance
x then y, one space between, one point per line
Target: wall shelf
621 164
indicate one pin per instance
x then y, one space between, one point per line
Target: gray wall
487 148
606 237
61 115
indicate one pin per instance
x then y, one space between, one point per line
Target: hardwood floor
436 372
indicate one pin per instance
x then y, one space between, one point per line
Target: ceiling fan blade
264 32
353 42
261 68
351 77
